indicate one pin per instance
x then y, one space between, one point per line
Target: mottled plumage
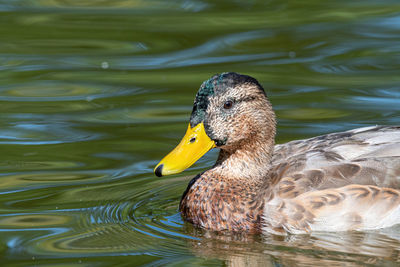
335 182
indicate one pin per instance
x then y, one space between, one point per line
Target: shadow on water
94 93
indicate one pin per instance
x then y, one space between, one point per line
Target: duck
335 182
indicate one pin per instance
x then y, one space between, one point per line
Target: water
94 93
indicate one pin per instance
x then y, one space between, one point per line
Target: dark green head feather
217 84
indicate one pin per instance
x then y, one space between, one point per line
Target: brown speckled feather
369 156
213 203
337 182
351 207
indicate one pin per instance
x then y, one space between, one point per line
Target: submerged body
336 182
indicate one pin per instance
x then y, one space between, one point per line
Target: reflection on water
323 249
94 93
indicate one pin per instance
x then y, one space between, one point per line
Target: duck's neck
249 163
231 195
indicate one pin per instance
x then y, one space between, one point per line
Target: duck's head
230 111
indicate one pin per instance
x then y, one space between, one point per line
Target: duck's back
368 156
339 181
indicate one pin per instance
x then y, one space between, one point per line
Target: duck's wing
336 182
352 207
367 156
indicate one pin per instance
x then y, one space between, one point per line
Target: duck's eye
228 104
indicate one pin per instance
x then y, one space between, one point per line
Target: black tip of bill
158 170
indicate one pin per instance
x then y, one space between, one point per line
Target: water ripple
198 55
55 91
118 5
137 221
40 133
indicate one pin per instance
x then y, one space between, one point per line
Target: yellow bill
193 146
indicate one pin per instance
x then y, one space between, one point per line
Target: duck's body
336 182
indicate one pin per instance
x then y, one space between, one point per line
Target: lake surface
94 93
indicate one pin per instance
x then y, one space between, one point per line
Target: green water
94 93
